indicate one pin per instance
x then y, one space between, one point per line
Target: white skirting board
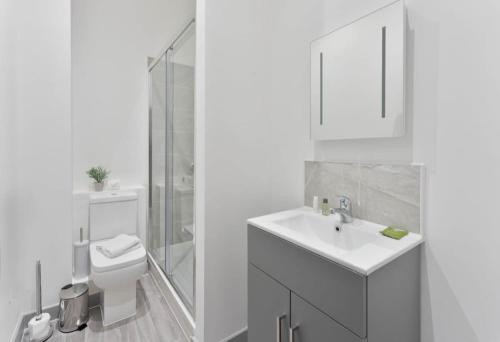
240 336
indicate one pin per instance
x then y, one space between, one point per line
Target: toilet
111 214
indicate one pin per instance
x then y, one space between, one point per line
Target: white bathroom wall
456 84
9 237
36 155
111 41
236 152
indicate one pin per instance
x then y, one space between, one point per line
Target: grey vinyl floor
154 322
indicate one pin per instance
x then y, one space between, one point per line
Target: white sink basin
358 245
322 230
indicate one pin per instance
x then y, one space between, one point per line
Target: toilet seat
101 263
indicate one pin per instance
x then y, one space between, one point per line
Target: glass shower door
157 162
181 132
172 228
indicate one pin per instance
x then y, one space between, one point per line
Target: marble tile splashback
382 193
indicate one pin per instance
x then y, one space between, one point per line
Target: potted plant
98 174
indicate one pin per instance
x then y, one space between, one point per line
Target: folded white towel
119 245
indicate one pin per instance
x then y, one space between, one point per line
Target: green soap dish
394 233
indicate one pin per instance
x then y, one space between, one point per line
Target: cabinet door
357 78
308 324
268 308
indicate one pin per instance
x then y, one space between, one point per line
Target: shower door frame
169 170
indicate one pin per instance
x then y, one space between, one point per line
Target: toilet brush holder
39 327
81 258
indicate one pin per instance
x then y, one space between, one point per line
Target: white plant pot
99 186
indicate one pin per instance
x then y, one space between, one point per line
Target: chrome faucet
345 209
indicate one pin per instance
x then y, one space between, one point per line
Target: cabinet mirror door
357 78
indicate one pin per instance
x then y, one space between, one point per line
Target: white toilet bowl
117 277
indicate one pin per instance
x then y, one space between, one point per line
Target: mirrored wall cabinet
357 78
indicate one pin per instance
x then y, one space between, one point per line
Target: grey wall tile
382 193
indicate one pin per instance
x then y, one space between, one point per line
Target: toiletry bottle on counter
325 208
316 204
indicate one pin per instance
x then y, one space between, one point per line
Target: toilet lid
101 263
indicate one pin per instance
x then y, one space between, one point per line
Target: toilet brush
39 326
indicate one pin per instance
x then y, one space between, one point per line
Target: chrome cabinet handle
384 38
321 88
292 332
279 328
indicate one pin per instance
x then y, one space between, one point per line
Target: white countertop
359 245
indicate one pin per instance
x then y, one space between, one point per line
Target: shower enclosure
171 226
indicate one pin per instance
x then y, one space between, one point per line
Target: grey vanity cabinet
295 295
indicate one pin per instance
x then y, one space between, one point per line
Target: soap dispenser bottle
325 208
316 204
